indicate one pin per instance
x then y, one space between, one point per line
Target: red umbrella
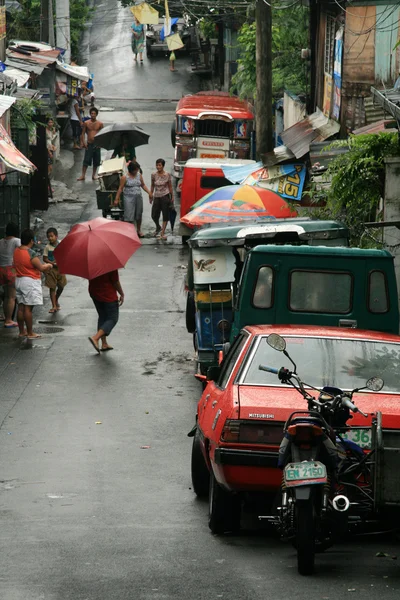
96 247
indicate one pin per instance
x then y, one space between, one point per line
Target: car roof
236 235
329 251
320 331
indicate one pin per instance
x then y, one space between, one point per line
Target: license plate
362 437
306 472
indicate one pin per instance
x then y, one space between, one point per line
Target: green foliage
244 79
23 111
25 24
357 183
289 36
207 28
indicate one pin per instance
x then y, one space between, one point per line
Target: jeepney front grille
391 459
214 128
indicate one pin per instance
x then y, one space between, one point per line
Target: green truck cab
289 271
216 256
333 287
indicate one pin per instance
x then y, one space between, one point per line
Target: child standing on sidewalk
53 279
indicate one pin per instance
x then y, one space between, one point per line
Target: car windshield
343 363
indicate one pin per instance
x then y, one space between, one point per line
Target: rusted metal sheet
314 128
377 127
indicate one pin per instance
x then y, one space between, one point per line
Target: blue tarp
174 21
239 174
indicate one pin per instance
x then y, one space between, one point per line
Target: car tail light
252 432
304 432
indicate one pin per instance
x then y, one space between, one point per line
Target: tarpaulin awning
81 73
6 103
11 156
18 75
314 128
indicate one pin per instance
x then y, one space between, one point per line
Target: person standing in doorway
7 272
162 197
76 120
28 284
92 151
132 185
104 291
137 40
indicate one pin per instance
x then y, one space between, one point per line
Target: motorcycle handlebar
268 369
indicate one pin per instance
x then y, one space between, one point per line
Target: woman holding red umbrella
104 291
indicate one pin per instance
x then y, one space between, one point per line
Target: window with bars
330 32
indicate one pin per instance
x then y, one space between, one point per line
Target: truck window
321 291
212 183
378 301
263 290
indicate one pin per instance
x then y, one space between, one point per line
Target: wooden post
264 136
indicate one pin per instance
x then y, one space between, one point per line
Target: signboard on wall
337 74
328 84
2 22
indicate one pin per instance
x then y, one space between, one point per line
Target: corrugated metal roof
6 103
25 66
27 93
314 128
378 127
44 58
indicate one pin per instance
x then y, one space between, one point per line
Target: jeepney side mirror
213 373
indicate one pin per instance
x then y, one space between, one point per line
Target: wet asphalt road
95 498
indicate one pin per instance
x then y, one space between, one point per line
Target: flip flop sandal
33 337
106 349
94 345
11 325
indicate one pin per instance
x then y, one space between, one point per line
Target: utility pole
264 136
63 28
52 41
44 20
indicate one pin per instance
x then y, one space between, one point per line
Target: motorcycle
324 474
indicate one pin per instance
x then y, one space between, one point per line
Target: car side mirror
213 373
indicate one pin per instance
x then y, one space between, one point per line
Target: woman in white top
76 120
7 272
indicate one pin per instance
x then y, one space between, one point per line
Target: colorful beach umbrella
250 194
227 211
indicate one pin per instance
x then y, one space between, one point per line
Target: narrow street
95 488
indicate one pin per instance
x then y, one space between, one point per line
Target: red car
240 416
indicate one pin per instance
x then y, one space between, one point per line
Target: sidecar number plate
303 473
361 437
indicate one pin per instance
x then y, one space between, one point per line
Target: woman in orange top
28 283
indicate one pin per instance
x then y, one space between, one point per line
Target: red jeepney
212 125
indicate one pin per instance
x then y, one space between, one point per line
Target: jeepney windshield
343 363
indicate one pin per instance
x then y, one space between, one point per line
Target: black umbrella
111 136
172 216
